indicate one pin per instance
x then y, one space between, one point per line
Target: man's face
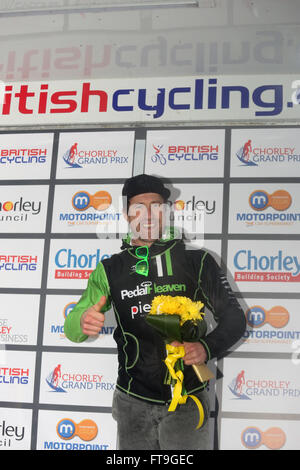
145 216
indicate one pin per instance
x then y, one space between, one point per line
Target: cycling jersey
173 270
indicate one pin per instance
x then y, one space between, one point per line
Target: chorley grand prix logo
253 154
75 157
62 381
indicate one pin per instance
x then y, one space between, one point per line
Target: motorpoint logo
259 200
82 200
277 316
280 200
67 429
103 215
58 329
68 309
253 155
274 438
86 430
274 321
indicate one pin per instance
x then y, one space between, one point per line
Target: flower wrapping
179 319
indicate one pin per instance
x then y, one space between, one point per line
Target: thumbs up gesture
92 320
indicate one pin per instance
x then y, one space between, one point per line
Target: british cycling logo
158 156
236 386
180 153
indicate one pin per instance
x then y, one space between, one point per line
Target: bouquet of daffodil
179 319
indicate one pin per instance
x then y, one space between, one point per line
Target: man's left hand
194 353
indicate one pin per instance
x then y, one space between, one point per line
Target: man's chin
148 235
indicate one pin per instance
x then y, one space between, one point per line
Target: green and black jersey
173 270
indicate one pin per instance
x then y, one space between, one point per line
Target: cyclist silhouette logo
69 156
236 386
244 153
246 150
73 152
239 382
53 379
158 156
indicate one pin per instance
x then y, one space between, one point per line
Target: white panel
18 325
265 152
69 430
95 154
78 379
88 209
21 263
17 370
57 308
273 326
260 386
264 265
188 153
72 261
261 208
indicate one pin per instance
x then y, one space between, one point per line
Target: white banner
203 98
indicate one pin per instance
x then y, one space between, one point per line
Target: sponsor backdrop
234 190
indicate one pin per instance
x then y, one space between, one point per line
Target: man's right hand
92 320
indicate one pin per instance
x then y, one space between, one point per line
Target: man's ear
125 215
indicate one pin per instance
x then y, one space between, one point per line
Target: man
128 279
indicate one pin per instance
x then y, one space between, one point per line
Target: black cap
141 184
